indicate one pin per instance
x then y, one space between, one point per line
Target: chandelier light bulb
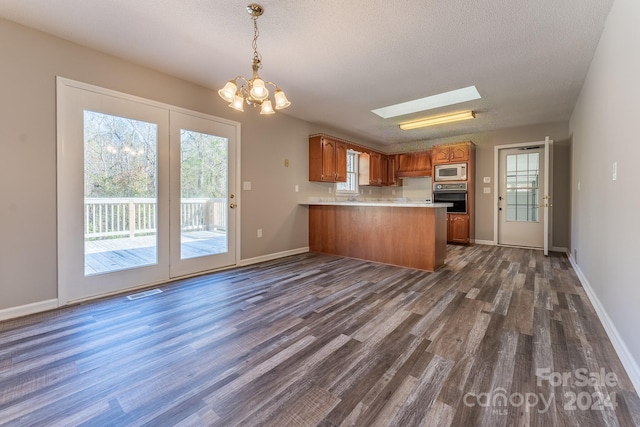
267 108
228 91
281 100
258 90
238 103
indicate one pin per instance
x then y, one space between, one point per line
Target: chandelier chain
256 56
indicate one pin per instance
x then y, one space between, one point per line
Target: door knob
232 205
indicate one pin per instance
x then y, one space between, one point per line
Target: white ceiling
339 59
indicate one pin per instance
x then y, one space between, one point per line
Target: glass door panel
203 194
113 201
522 187
120 193
203 156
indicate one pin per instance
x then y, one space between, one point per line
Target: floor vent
144 294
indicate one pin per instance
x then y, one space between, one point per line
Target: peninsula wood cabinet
327 159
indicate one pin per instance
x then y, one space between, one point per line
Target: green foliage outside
120 159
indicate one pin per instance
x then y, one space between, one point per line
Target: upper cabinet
370 167
327 159
414 164
453 153
390 170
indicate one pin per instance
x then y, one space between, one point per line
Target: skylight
440 100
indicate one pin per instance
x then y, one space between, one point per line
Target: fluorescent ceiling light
437 120
435 101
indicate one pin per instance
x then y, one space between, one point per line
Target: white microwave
450 172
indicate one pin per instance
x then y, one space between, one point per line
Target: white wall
605 222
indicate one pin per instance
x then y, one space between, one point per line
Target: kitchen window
351 186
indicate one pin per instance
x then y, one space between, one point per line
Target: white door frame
547 143
64 296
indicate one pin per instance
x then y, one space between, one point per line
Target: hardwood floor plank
323 340
419 402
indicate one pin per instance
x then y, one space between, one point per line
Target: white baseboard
25 310
273 256
552 248
629 363
485 242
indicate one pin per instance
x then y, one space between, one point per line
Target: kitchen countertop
375 203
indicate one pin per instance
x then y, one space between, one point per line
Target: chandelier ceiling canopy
254 90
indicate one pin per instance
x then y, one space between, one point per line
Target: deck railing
129 217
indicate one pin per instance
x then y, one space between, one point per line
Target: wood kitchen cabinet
390 170
327 159
370 167
451 153
414 164
458 228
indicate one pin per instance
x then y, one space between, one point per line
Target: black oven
455 193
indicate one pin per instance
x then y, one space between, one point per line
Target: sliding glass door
145 192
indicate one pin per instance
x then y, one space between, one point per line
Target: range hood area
415 164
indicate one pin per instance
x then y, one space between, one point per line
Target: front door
520 196
146 192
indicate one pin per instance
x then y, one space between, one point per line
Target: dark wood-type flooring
322 340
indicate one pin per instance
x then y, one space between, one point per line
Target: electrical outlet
393 192
246 185
487 190
259 233
330 189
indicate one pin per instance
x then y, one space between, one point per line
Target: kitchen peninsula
399 233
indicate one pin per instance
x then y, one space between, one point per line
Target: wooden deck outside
106 255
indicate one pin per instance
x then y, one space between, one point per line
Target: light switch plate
486 180
614 173
487 190
246 185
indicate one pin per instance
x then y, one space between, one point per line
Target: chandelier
254 91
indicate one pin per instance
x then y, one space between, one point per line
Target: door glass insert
522 187
120 193
203 192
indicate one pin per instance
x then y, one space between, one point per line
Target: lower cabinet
458 228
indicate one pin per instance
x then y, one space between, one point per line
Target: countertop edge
380 204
